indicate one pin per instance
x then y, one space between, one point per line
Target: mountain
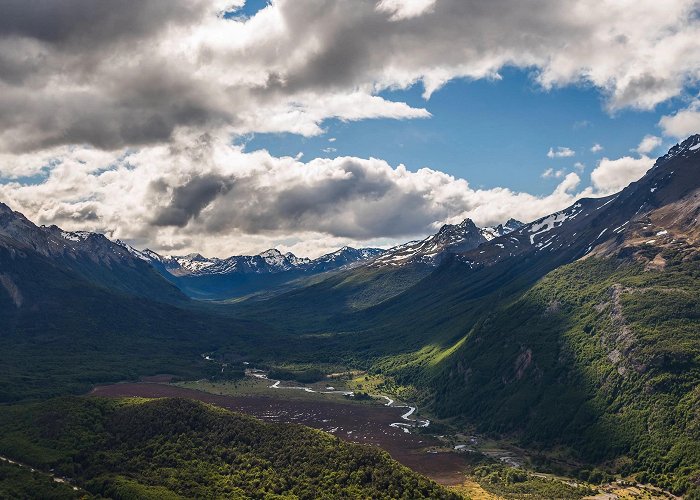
268 262
91 256
622 219
451 238
376 281
344 257
214 278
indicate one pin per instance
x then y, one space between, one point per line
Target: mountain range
224 278
575 335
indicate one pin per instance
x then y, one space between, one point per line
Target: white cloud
551 173
648 144
579 166
332 139
612 175
560 152
596 148
405 9
683 123
203 194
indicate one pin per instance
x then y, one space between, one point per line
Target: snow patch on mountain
450 238
268 262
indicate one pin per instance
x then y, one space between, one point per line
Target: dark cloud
361 200
85 24
190 199
81 214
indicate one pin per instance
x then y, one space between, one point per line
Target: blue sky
490 132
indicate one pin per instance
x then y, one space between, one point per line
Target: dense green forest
19 483
173 448
601 356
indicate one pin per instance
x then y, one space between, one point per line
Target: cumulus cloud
648 144
560 152
101 73
596 148
551 173
612 175
683 123
248 201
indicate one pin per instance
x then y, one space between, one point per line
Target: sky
229 127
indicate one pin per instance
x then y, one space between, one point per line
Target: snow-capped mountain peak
451 238
686 148
271 261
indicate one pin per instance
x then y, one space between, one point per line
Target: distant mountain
214 278
451 238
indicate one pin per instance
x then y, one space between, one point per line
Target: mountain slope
89 255
376 281
579 329
511 263
76 310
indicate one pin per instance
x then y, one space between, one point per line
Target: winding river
406 425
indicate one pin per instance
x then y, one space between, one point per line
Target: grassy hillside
330 298
172 448
601 355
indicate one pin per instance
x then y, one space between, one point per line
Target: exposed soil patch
366 424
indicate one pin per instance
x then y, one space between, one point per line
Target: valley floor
354 422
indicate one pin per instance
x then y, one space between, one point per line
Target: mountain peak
465 225
689 146
271 252
513 224
196 256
